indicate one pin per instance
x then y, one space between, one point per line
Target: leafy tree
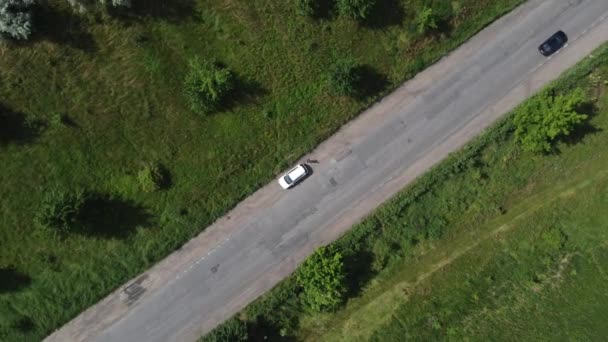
207 85
16 18
151 177
322 276
60 211
307 7
356 9
233 330
426 20
543 118
344 77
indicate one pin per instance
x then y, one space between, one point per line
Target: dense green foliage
322 279
16 18
356 9
344 77
233 330
547 117
60 212
458 213
306 7
425 20
114 78
208 85
151 177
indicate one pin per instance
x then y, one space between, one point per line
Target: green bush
60 211
151 177
425 20
344 77
207 85
322 276
233 330
307 7
356 9
545 117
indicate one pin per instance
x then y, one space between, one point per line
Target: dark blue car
554 43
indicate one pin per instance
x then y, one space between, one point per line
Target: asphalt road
264 238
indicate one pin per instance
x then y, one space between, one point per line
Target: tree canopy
16 18
322 276
207 85
542 119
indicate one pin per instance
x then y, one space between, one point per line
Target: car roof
297 172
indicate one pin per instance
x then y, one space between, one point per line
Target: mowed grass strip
473 247
92 100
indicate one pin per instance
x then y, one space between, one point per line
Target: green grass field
493 244
116 83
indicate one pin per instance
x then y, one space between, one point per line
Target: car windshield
546 47
288 179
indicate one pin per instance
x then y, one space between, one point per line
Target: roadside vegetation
504 240
126 127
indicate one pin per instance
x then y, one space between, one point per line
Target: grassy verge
105 94
488 245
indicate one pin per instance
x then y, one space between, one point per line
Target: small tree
322 277
233 330
344 77
356 9
307 7
16 18
60 211
207 85
426 20
543 118
151 177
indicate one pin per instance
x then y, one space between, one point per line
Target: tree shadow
370 83
16 128
325 11
169 10
444 28
67 121
11 280
583 129
24 324
166 178
63 27
384 14
246 91
107 216
359 272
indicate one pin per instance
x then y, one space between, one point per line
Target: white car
293 176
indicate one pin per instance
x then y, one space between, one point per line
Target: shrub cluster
233 330
356 9
207 85
151 177
60 211
545 117
344 77
322 277
307 7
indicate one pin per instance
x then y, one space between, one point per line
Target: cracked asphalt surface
369 160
